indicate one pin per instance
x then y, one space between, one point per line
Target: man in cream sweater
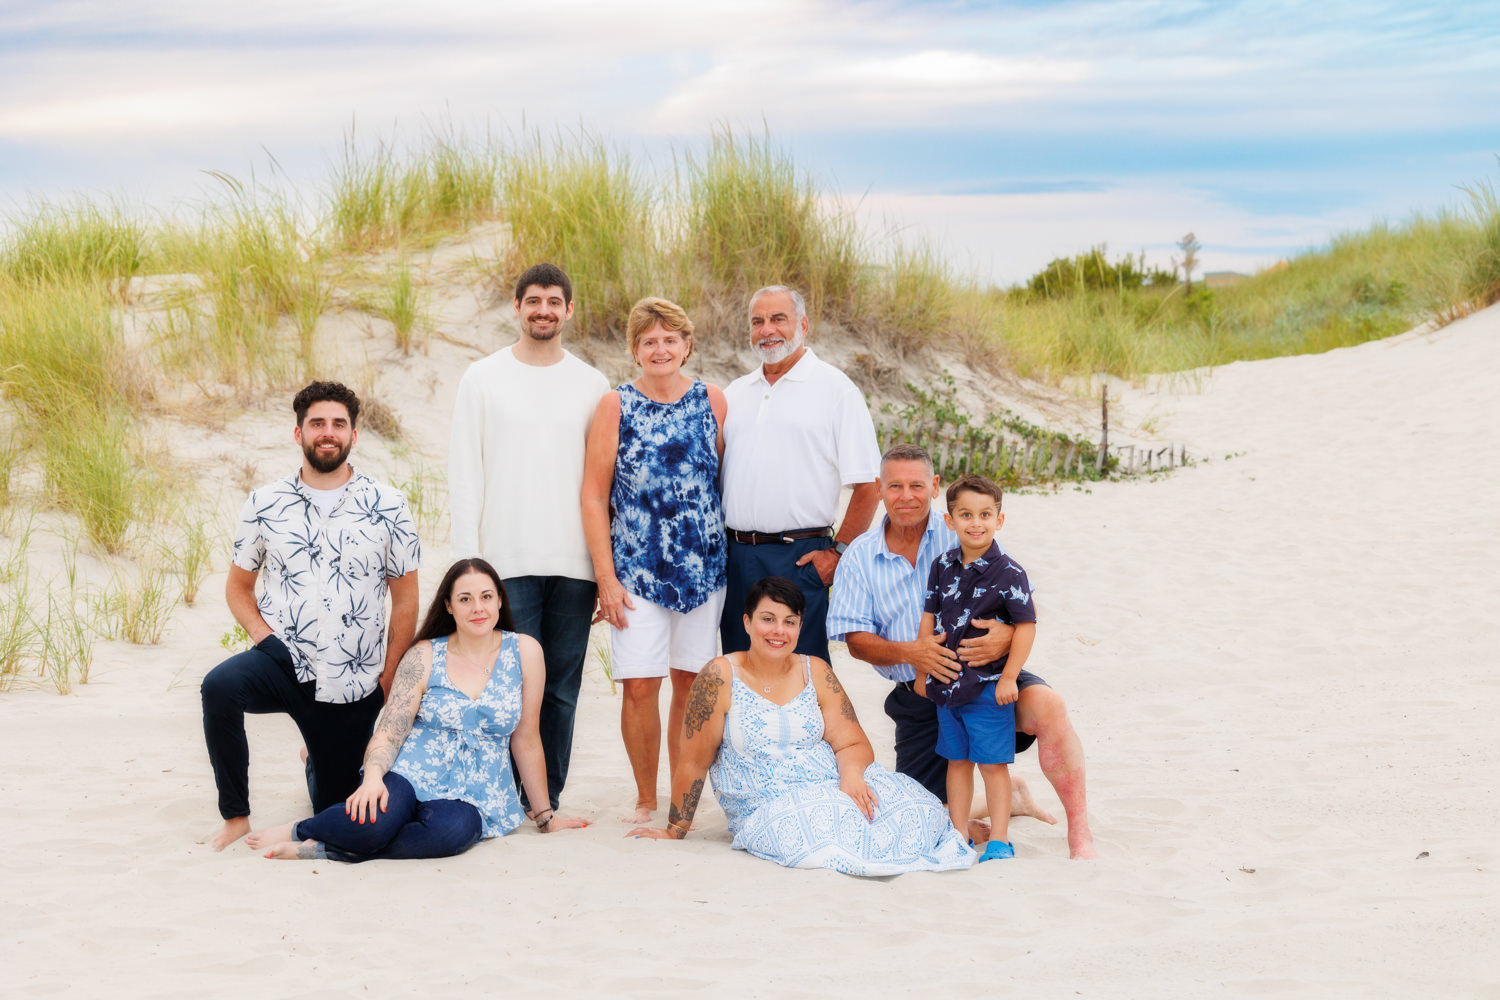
515 472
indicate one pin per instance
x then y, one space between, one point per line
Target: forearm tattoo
703 697
837 690
680 818
399 711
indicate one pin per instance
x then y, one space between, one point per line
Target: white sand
1274 662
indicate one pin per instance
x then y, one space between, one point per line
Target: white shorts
658 638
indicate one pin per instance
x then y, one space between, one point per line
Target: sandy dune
1275 661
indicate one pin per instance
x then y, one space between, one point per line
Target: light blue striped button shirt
876 590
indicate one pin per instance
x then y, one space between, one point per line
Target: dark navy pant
260 681
556 611
409 828
749 564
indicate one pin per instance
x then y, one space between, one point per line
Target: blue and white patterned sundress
668 523
778 782
459 747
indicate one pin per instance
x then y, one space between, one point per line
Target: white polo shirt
790 448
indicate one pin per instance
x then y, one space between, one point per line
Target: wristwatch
839 548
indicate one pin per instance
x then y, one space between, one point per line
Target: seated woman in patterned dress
437 777
655 531
790 765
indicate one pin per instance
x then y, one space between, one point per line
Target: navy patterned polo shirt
992 586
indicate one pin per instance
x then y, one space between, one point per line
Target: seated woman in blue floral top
437 777
655 530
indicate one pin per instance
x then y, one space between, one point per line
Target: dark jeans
751 563
409 828
555 611
917 736
261 681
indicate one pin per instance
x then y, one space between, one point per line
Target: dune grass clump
579 204
403 306
911 301
751 219
257 266
78 241
70 380
377 200
1483 278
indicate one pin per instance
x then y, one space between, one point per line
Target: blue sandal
995 850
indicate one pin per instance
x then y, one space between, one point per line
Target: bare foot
232 830
270 837
1081 844
1022 804
292 850
641 816
979 831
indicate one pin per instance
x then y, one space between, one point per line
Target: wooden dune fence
1015 457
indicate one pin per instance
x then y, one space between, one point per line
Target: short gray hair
797 302
906 453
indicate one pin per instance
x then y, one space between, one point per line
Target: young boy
977 711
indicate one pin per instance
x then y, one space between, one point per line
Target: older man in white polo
797 432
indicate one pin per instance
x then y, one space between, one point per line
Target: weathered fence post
1104 424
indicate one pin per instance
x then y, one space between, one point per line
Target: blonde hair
650 311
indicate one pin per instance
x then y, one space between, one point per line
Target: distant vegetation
240 289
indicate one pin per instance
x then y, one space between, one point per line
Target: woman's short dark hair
440 621
777 588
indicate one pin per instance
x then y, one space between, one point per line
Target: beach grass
379 198
750 218
578 202
78 240
402 306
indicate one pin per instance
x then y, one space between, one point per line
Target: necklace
482 662
766 686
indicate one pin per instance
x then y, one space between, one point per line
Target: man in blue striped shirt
876 608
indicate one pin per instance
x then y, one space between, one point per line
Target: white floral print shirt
324 586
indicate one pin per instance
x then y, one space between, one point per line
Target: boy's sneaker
995 850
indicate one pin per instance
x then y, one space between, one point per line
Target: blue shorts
980 731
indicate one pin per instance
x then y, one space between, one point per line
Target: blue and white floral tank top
668 523
459 747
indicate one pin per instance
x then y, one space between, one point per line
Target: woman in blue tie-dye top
655 530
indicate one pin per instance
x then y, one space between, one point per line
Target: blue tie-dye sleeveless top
668 522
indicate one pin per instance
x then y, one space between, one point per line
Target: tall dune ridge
1272 657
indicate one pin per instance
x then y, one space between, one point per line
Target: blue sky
1003 133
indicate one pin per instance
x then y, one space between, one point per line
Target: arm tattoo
835 688
680 818
397 715
703 697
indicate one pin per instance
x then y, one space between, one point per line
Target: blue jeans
556 611
751 563
409 828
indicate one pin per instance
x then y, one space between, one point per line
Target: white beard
772 355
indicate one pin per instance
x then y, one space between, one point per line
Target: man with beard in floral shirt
334 543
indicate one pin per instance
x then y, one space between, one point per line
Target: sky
1001 134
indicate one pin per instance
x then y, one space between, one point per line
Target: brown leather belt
778 537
